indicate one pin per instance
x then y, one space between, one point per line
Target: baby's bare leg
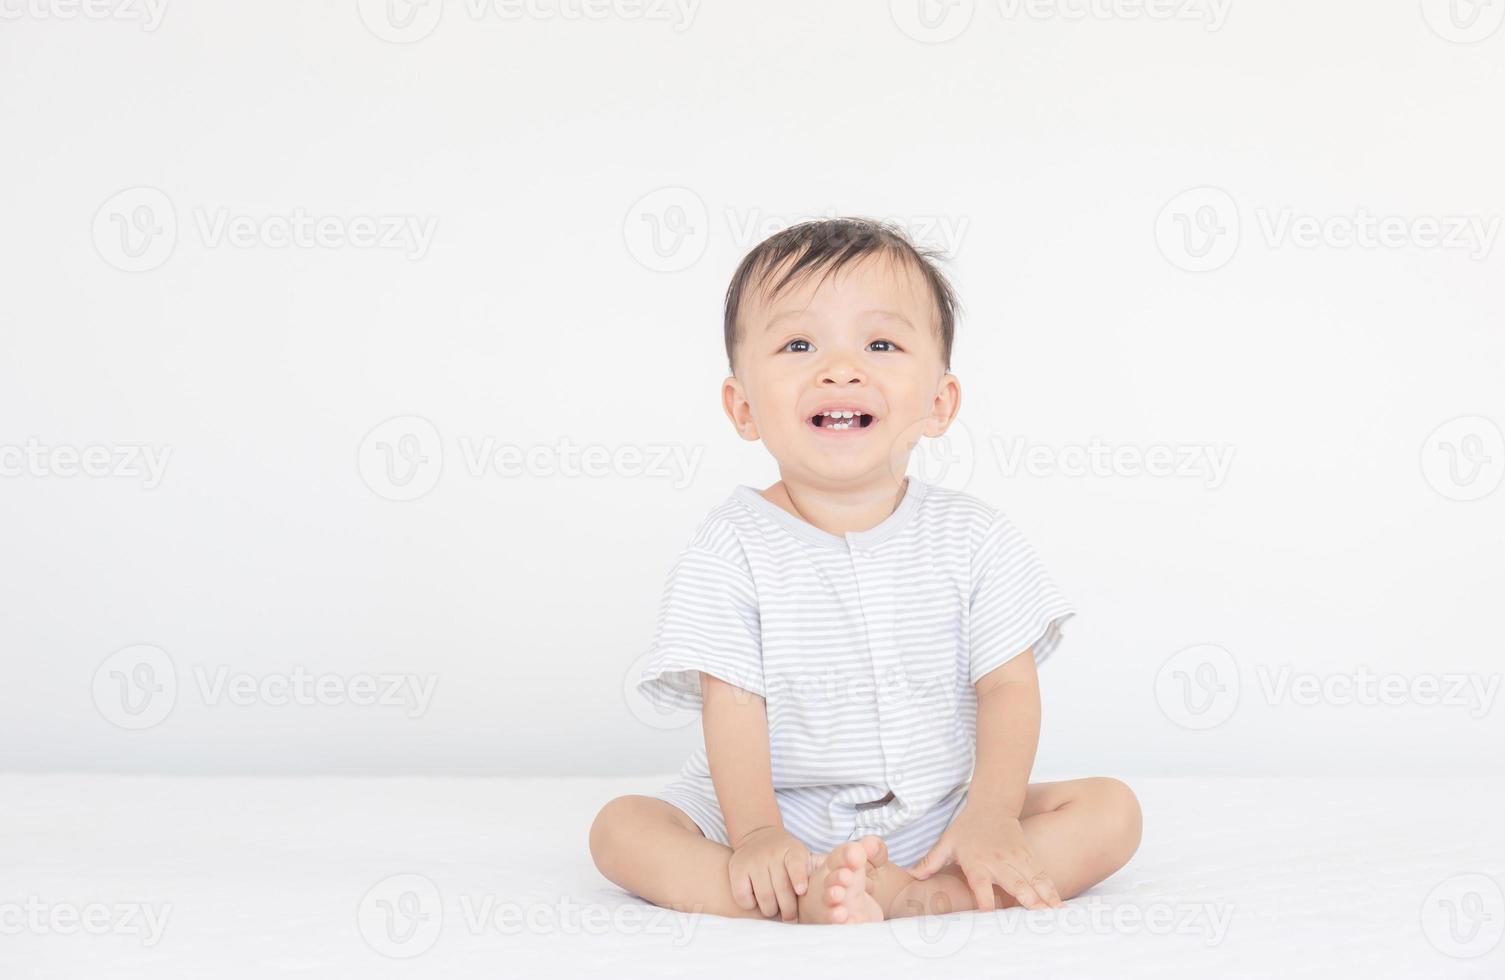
651 848
1080 830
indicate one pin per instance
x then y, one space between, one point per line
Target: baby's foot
840 889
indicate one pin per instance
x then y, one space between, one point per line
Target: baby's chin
842 470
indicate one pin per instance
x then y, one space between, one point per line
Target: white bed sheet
263 877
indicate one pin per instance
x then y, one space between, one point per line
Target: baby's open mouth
839 419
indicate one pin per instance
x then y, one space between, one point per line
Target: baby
861 645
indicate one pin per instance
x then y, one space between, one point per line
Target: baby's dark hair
825 246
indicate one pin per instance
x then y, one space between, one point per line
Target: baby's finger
789 909
742 892
1046 889
1018 886
934 861
981 883
768 900
799 874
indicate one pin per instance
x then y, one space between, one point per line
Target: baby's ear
948 402
738 409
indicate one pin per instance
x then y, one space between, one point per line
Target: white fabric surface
1309 878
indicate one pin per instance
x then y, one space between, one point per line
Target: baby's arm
1008 734
987 839
769 867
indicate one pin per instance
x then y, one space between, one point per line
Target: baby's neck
841 511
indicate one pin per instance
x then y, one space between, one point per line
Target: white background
1048 153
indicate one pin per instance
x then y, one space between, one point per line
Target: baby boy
861 645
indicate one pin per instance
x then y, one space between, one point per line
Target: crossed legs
1080 830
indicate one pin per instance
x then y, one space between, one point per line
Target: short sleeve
1015 604
708 621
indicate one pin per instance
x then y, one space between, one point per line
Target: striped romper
864 646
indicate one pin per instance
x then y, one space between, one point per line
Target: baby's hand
990 849
768 869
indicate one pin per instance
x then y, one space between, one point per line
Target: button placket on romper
875 596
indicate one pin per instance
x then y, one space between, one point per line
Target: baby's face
864 341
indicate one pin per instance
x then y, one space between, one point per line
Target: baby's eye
793 342
890 343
